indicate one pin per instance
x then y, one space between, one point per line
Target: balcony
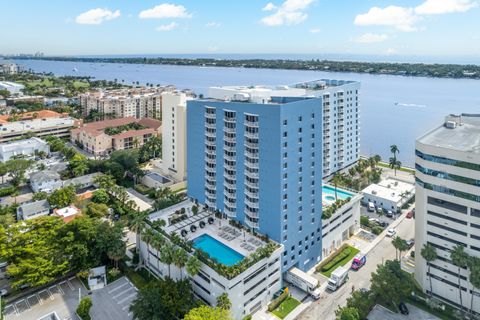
210 170
251 194
251 124
230 212
210 143
210 125
251 224
230 194
229 158
210 183
229 148
210 115
210 192
229 167
229 130
230 139
253 205
230 119
210 152
251 184
210 134
229 185
251 155
251 135
210 202
251 165
251 174
252 145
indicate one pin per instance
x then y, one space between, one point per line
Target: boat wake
410 105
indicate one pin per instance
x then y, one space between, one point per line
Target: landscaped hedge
7 191
142 189
326 261
83 309
336 259
275 303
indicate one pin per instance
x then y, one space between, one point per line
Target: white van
371 207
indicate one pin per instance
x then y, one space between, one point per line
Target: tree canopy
208 313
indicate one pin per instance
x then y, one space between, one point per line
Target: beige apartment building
122 103
102 137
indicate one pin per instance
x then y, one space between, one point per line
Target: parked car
371 207
379 210
410 243
384 224
391 232
390 214
403 308
3 292
374 220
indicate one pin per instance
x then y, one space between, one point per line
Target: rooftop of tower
458 132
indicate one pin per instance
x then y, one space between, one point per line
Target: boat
75 70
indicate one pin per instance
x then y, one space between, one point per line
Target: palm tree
180 259
394 163
167 255
193 266
147 236
337 178
137 224
157 242
117 251
474 279
459 258
429 253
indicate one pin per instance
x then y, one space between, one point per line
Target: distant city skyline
388 28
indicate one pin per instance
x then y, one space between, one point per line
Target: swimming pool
217 250
329 193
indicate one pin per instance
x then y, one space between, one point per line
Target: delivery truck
338 277
358 261
303 281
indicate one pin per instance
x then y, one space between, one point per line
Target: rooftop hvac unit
450 124
374 192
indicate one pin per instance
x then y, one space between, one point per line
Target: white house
49 181
12 87
33 210
27 147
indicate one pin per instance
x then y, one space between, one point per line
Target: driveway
113 301
325 307
381 313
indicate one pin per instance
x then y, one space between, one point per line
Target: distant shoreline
451 71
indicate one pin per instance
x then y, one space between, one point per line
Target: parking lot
60 300
113 301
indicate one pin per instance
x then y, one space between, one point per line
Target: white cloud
165 10
289 13
315 30
445 6
167 27
403 19
269 7
213 24
96 16
391 51
371 38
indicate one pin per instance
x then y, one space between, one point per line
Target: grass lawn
344 261
404 169
140 279
80 84
286 307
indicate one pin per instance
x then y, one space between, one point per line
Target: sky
364 27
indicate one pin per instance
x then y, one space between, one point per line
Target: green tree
100 196
208 313
3 171
459 258
224 302
97 210
336 180
62 197
137 224
193 266
116 251
39 196
83 309
429 253
362 301
167 256
163 299
180 259
148 236
347 313
16 168
390 284
400 246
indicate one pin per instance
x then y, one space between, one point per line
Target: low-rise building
344 222
12 87
389 194
27 147
15 100
68 213
234 261
102 137
39 123
33 210
9 68
49 181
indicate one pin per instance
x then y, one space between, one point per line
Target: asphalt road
324 308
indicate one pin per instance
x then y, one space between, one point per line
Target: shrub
275 303
83 309
7 191
142 189
377 230
339 257
247 317
364 221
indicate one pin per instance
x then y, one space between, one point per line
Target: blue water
217 250
394 109
329 191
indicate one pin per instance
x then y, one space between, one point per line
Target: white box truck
303 281
338 277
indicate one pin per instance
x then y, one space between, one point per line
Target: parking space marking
128 297
70 285
21 308
121 293
32 303
7 310
115 289
49 295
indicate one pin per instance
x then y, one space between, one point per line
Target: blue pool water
329 193
217 250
